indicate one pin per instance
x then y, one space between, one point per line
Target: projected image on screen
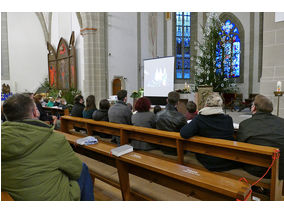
158 76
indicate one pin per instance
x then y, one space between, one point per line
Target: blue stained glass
183 48
236 30
179 31
179 74
179 63
187 31
186 74
186 42
186 63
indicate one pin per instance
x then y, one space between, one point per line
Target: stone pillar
273 59
93 32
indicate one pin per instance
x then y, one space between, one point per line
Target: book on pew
121 150
87 140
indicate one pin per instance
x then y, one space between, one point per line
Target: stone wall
273 59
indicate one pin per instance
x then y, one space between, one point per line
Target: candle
279 86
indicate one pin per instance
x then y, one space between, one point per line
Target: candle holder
278 94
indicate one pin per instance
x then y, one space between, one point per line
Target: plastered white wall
27 52
122 49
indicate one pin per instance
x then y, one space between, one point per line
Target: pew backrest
232 150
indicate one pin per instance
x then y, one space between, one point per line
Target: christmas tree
209 71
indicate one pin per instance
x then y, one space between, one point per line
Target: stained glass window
183 45
229 50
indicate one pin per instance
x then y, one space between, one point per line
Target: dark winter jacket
43 114
171 120
267 130
77 110
100 115
211 126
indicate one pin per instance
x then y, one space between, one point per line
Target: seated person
57 101
50 102
157 109
143 117
191 111
77 109
90 107
44 102
102 113
120 112
63 103
38 163
264 129
130 106
170 119
43 114
211 122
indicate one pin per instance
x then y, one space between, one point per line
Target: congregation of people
70 177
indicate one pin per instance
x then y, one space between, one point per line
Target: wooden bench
232 150
56 111
201 184
6 197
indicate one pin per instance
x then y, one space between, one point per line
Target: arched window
183 20
229 50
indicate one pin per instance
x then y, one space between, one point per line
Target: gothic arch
223 17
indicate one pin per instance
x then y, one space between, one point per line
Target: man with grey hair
211 122
264 129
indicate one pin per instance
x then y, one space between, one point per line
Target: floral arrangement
206 66
137 94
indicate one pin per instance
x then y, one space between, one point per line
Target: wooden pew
6 197
56 111
197 183
232 150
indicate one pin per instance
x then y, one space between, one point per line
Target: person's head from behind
191 107
143 105
261 104
122 95
78 99
214 100
157 109
104 104
51 99
173 98
91 102
37 98
19 107
63 101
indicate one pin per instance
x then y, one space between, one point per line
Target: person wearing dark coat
211 122
120 112
143 117
77 109
102 115
170 119
90 106
264 129
43 114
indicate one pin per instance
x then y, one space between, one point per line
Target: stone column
273 59
93 32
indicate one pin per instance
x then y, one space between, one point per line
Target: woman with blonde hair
211 122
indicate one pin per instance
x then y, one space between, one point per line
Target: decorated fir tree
209 71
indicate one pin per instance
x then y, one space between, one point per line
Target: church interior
101 53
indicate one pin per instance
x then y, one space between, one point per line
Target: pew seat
150 190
